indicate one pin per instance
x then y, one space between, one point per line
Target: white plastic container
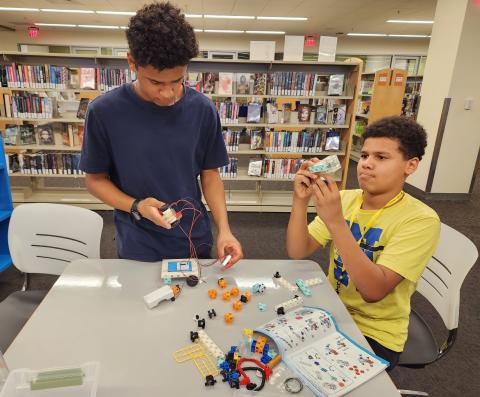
18 383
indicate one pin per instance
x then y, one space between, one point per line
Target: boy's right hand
304 180
149 208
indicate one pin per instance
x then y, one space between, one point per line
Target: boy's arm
373 281
300 243
102 187
213 190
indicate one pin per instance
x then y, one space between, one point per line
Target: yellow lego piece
189 352
248 332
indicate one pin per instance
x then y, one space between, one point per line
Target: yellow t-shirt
403 239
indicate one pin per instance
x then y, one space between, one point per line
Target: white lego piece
155 297
312 281
210 345
285 284
226 260
290 304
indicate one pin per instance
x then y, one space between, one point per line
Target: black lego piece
277 275
212 313
193 336
210 380
243 299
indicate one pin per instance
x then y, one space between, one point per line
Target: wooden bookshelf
243 192
386 97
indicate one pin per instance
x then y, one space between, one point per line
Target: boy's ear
411 166
131 62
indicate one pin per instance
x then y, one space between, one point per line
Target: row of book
66 134
27 106
44 163
275 83
228 111
62 77
281 168
230 170
301 142
231 139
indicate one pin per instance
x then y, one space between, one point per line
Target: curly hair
158 35
410 135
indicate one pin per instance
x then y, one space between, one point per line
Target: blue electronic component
179 266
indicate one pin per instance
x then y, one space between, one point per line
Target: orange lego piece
222 283
226 296
234 291
228 317
237 305
212 293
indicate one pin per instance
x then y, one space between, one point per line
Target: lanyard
371 221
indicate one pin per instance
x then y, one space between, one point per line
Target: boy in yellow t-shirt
381 237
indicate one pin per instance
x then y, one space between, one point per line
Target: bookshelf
381 95
6 208
242 192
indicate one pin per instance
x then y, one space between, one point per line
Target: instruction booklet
324 358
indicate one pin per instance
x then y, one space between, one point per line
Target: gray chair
44 238
440 284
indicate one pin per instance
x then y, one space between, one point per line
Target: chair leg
26 282
412 393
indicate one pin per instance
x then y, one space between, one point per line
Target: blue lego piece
233 349
265 359
266 348
301 285
167 281
234 375
258 288
252 347
224 365
262 307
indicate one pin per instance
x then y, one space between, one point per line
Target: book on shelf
82 108
78 137
194 80
48 163
27 134
45 135
230 170
294 141
281 168
209 80
256 139
335 84
87 78
225 83
321 84
231 139
327 360
272 113
255 166
244 83
321 114
286 113
304 112
254 112
259 84
336 112
11 134
332 140
67 135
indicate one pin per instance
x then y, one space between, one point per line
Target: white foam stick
313 281
226 260
210 345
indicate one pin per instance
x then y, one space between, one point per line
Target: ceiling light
18 9
60 25
228 17
408 35
264 32
116 12
368 34
193 15
222 31
198 30
284 18
123 27
67 11
99 26
407 21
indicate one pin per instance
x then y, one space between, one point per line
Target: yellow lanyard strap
358 206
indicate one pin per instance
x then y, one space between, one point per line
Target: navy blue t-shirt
155 151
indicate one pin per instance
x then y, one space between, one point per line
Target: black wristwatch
134 210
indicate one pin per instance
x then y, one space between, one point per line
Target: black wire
264 376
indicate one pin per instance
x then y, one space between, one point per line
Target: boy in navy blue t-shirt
146 143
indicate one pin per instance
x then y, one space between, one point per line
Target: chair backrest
442 279
45 238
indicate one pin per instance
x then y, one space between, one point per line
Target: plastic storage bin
18 383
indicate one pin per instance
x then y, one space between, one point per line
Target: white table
95 312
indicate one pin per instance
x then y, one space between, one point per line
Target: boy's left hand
227 244
327 200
